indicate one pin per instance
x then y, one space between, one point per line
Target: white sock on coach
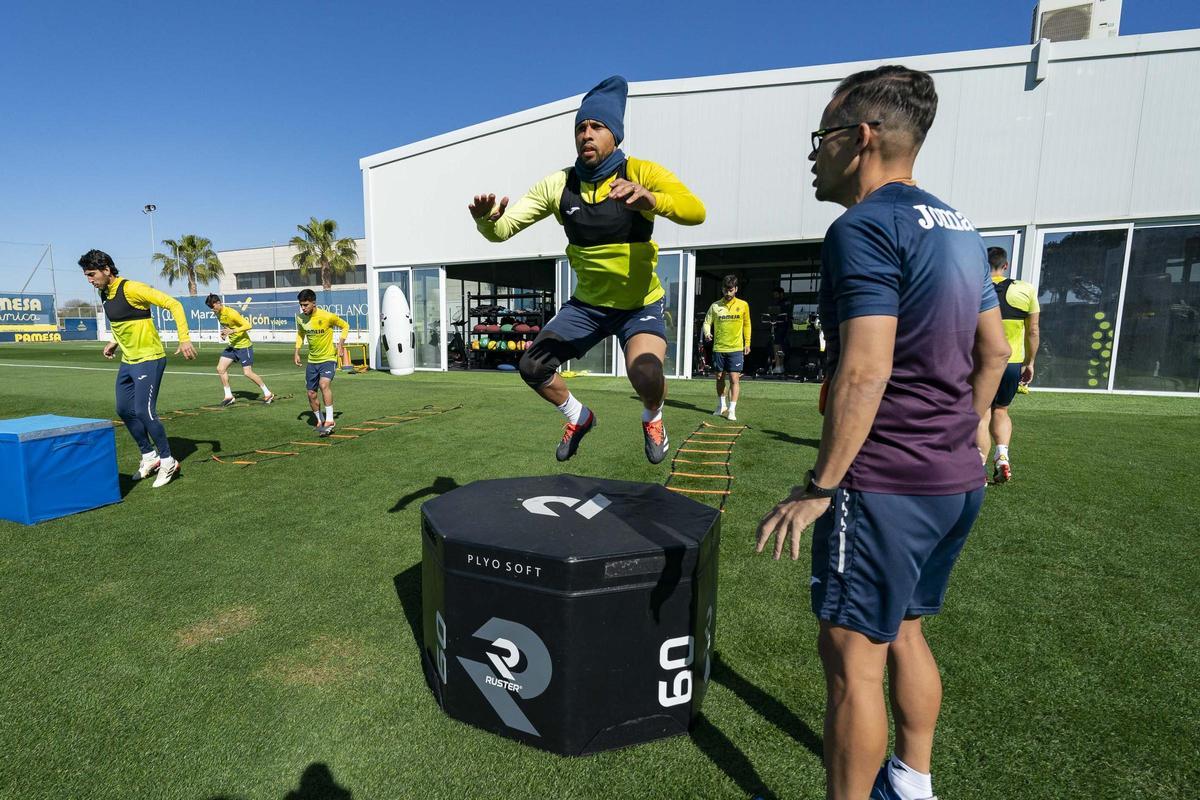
908 783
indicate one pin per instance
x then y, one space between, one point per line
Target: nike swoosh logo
571 210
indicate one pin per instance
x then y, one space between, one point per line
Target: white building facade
1080 158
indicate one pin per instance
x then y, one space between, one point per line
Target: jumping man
143 360
607 204
235 330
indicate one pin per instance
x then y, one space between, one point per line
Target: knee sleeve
543 358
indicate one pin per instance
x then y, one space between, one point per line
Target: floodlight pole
149 210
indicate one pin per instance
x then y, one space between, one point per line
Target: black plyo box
570 613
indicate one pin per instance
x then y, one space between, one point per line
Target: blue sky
241 120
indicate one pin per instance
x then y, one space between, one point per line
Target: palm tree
319 248
192 257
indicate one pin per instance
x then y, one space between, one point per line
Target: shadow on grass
789 439
316 783
732 761
309 417
439 486
408 591
181 449
767 706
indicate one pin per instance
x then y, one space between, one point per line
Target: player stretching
317 324
235 330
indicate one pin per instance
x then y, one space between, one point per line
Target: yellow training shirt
239 328
732 323
138 338
610 275
1022 297
318 327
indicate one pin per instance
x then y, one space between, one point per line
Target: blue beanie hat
606 104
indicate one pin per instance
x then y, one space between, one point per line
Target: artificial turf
252 631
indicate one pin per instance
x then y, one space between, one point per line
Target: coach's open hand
789 519
188 351
483 207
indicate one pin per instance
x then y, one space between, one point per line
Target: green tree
319 248
191 257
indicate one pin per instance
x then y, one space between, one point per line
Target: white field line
108 369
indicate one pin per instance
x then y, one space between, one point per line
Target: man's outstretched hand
483 205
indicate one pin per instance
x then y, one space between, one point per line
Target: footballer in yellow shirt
727 326
316 325
235 330
607 204
143 361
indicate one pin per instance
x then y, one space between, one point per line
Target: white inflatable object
398 340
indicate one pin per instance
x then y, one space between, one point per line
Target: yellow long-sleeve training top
732 324
239 327
318 327
611 275
127 307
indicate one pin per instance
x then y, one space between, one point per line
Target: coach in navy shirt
915 353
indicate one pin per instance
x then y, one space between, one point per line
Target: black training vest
1008 311
118 309
607 222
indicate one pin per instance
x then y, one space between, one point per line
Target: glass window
668 269
1078 291
427 318
255 280
1007 242
598 360
1159 348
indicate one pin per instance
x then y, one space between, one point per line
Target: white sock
228 393
655 415
722 403
908 783
266 392
148 457
328 415
1002 452
166 463
572 409
733 406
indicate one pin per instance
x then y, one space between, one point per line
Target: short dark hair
307 294
212 299
997 257
899 96
97 259
729 282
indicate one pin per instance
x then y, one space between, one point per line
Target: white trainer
169 471
148 467
731 417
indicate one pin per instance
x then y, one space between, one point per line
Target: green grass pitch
250 632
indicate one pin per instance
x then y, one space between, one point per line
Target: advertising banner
27 312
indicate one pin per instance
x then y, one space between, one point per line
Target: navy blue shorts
313 374
242 355
879 558
1009 382
728 362
583 326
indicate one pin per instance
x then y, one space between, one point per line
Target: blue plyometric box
52 466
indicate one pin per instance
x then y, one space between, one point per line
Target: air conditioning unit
1072 20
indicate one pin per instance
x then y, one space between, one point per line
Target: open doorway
785 341
514 295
